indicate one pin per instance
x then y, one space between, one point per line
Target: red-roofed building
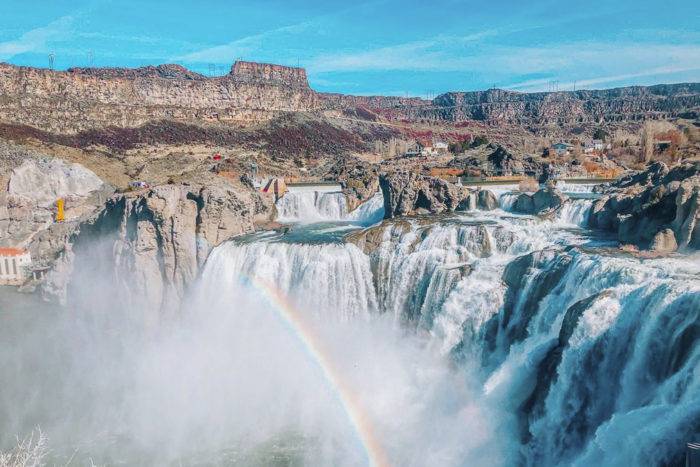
14 266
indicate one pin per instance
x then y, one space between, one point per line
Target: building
561 149
14 266
440 147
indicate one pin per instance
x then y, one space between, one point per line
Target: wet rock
664 242
642 207
543 200
486 200
163 235
406 193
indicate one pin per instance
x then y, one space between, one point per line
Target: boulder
486 200
524 204
547 199
664 242
407 193
657 209
542 201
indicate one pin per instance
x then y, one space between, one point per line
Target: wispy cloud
241 47
433 54
36 40
588 63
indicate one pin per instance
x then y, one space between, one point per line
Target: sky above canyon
389 47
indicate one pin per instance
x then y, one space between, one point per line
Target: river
476 338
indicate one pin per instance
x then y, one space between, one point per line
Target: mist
225 379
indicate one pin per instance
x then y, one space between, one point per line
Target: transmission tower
212 69
52 58
90 58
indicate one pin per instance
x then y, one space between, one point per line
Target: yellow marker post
60 216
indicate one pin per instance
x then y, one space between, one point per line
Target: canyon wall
91 98
620 104
509 107
83 99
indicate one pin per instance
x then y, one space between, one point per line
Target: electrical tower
90 58
52 58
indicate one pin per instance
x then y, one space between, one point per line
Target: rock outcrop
656 209
86 99
29 204
409 193
153 243
81 99
592 106
542 201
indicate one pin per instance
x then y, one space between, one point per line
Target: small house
14 266
440 147
561 148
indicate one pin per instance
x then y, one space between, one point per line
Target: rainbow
348 399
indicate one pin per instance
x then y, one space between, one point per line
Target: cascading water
565 187
482 338
315 206
575 212
579 345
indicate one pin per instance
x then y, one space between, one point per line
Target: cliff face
658 209
621 104
265 72
152 244
71 101
92 98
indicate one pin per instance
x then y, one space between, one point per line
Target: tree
599 133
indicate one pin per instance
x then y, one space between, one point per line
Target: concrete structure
14 266
320 187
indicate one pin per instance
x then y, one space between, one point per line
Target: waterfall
589 347
315 206
507 200
463 337
300 271
583 346
575 212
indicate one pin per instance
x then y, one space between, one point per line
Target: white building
14 266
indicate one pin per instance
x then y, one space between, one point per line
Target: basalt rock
158 239
542 201
657 209
406 193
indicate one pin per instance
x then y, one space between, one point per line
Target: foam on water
314 206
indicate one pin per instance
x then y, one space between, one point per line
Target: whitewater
475 338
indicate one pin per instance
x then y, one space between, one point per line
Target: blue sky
373 47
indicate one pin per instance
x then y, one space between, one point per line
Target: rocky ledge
657 209
408 194
162 236
542 201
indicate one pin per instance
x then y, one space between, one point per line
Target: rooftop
12 252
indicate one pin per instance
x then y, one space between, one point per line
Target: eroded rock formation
409 193
542 201
162 236
656 209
